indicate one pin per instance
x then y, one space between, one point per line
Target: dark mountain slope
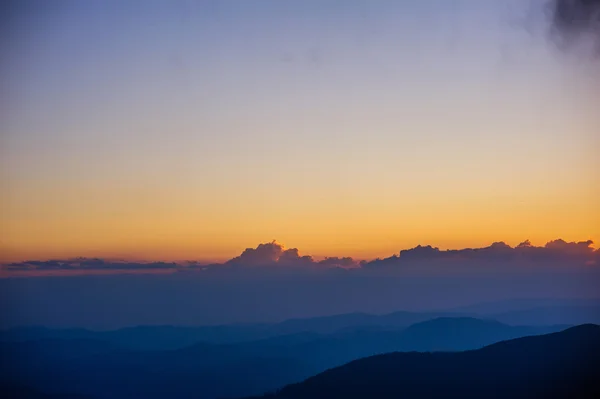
204 370
11 391
319 352
557 365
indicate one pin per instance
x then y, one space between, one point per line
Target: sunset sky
345 128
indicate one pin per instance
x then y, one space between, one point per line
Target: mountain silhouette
166 337
175 337
558 365
12 391
206 370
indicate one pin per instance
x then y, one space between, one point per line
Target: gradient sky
192 130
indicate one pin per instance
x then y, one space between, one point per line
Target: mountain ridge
561 364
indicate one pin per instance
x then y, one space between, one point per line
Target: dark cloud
420 252
87 264
576 24
581 247
262 255
292 257
345 262
557 250
273 254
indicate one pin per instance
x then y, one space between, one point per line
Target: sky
194 129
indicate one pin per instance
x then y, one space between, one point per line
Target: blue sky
198 128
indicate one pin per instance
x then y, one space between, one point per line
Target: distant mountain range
540 313
559 365
174 337
105 366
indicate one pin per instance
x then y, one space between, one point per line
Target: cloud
581 247
262 255
498 252
420 252
576 24
77 264
275 255
272 253
292 257
346 262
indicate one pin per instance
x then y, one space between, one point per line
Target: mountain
350 321
176 337
11 391
449 334
203 370
557 365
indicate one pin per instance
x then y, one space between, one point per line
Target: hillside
561 365
205 370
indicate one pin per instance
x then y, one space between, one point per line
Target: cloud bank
274 255
81 263
556 251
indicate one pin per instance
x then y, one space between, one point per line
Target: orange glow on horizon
367 150
192 252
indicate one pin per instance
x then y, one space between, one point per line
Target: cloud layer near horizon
274 254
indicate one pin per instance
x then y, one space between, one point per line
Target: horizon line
589 243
